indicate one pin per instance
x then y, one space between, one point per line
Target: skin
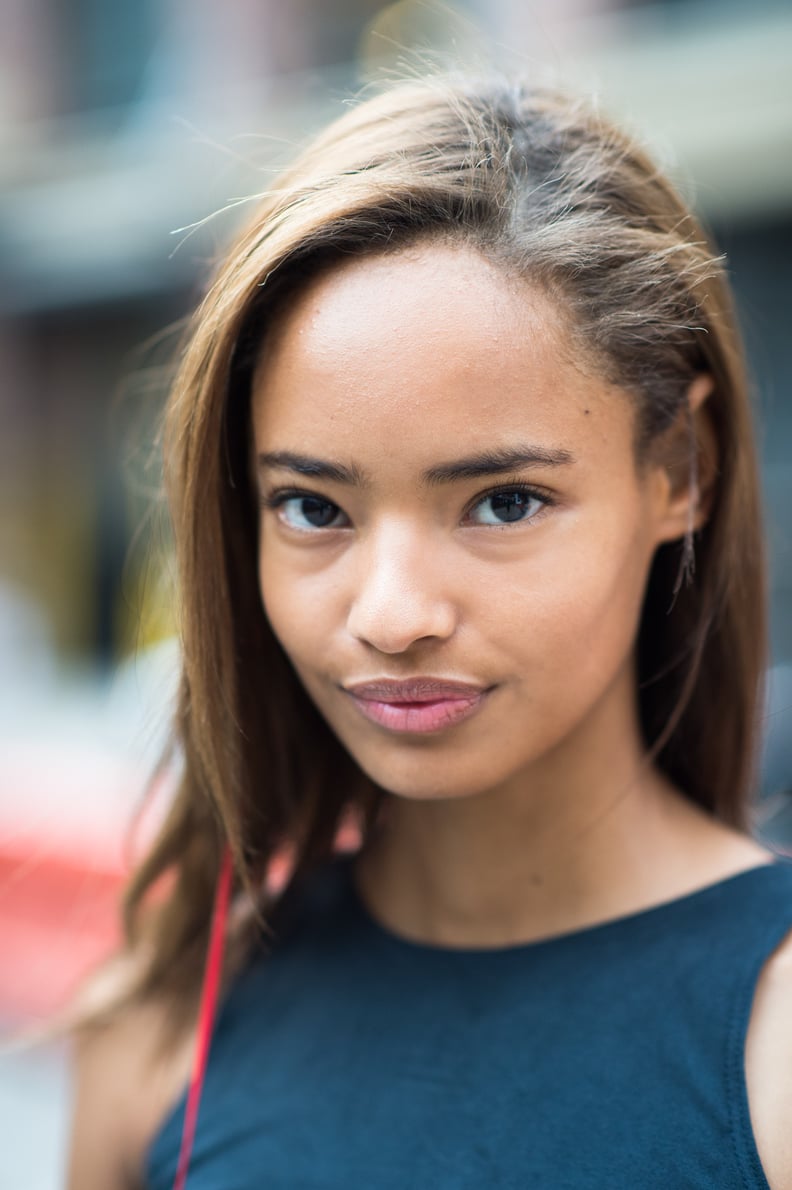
539 814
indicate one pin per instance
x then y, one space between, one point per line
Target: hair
548 189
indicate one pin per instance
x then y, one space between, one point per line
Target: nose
401 595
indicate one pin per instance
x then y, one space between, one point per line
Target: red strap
206 1015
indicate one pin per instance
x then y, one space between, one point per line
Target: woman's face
454 535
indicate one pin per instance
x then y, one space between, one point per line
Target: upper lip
418 689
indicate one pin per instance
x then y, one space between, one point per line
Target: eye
505 506
304 511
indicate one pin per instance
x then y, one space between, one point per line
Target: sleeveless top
608 1058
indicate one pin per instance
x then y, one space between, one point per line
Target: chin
416 781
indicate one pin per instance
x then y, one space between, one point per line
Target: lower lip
419 717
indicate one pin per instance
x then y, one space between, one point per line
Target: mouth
417 705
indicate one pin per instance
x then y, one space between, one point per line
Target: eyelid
516 484
278 496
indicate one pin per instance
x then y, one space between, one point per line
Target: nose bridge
400 592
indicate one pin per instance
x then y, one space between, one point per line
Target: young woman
464 498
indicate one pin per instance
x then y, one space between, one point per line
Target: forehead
430 351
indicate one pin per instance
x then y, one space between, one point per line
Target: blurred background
123 129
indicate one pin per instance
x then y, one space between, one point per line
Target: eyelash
280 496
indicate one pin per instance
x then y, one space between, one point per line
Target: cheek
276 599
300 608
578 612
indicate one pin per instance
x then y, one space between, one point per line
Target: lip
419 705
418 689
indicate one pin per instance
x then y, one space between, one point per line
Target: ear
687 457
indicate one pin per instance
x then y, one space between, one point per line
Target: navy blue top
610 1057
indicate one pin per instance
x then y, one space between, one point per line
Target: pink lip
417 705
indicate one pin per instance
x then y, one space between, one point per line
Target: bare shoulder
127 1073
768 1066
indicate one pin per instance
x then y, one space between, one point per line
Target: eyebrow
488 462
287 460
496 462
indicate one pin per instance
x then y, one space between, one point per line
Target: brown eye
506 506
309 512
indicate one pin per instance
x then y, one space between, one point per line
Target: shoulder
768 1066
127 1073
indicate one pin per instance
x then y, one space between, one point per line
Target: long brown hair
549 190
